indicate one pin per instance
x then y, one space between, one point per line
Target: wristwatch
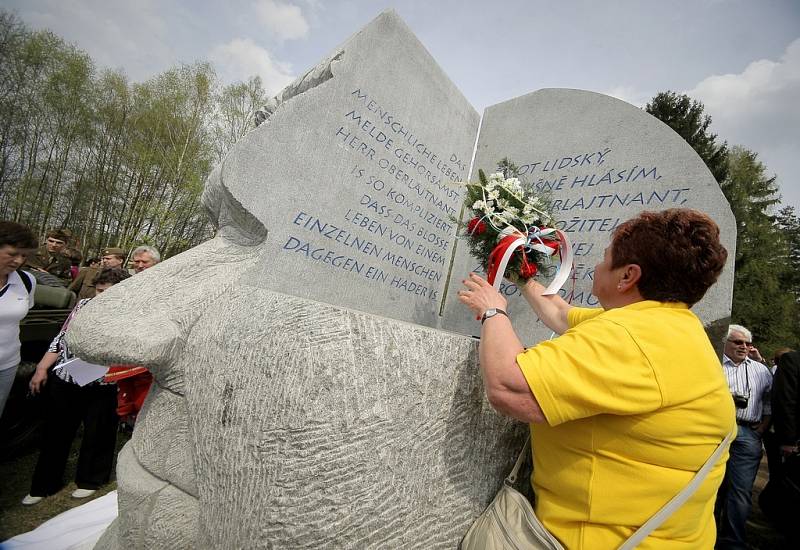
491 312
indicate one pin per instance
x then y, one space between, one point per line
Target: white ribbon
564 269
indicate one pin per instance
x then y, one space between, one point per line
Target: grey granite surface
598 161
277 421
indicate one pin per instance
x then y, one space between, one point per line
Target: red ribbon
527 269
496 255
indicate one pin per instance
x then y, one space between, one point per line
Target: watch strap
497 311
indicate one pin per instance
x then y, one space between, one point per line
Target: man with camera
749 382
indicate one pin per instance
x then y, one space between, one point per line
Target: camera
740 400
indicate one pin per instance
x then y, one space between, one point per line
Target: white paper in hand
82 372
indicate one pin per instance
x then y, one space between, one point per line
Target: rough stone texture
165 448
565 143
348 430
293 406
291 423
155 514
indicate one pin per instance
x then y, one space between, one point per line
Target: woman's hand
479 295
40 376
38 381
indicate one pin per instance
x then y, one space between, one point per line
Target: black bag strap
25 280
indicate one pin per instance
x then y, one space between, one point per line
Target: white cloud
109 31
760 109
242 58
764 88
285 20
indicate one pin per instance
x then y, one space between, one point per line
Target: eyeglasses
740 342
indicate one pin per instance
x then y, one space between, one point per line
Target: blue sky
740 57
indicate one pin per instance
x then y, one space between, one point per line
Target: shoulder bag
509 523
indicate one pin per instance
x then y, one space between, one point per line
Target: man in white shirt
750 383
16 297
145 257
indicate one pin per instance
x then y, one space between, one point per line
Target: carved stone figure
315 383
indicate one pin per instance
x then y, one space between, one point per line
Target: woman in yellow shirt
630 401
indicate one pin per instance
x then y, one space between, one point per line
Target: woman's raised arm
551 309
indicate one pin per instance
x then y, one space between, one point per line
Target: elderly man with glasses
750 382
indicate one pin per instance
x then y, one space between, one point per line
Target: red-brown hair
678 251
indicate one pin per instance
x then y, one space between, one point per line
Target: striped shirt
59 346
753 380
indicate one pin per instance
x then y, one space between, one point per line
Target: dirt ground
16 477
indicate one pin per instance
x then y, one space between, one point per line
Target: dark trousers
772 447
67 407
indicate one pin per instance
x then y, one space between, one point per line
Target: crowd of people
101 407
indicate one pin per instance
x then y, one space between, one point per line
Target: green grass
16 478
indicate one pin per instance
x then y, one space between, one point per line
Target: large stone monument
316 382
600 161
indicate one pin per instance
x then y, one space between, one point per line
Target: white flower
497 176
506 216
514 187
494 194
479 205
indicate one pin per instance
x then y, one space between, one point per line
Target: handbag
509 523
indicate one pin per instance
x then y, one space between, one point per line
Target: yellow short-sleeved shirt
636 402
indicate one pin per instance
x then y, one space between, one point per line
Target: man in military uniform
83 285
113 257
52 258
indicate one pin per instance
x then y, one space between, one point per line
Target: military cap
60 234
114 252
